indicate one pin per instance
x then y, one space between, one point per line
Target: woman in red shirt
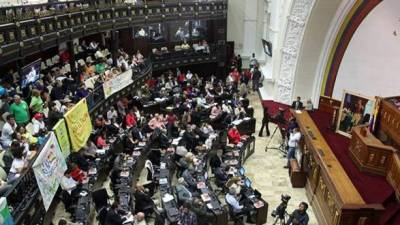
234 135
76 173
101 140
130 119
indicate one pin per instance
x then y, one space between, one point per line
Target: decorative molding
297 19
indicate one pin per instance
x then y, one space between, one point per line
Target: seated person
77 174
221 175
216 160
182 192
297 105
215 112
237 207
299 216
187 217
139 219
113 217
143 201
130 119
234 135
130 142
101 140
4 187
189 176
198 207
70 188
99 122
19 164
236 183
309 105
7 132
38 124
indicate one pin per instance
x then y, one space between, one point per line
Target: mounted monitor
267 45
30 73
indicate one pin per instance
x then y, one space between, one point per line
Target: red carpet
373 189
274 106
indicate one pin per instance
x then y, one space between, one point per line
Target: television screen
267 47
30 73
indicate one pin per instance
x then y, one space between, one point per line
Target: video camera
281 209
279 117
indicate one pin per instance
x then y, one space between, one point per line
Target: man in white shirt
189 75
233 202
253 61
38 124
293 143
8 131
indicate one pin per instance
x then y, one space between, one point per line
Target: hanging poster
60 129
79 124
117 83
48 168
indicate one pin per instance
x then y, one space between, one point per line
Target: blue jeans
291 154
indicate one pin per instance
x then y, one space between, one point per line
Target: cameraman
293 143
299 216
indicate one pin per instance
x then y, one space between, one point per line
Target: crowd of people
200 109
28 114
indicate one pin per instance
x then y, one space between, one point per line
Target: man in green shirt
20 110
100 68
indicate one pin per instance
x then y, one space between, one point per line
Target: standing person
253 61
256 78
20 110
299 216
36 104
8 131
293 142
265 122
239 63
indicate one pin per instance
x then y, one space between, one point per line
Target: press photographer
299 216
293 143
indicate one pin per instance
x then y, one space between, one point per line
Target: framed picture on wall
355 110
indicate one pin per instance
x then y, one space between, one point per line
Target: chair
100 200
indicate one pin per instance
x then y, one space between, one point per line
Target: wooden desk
334 198
369 153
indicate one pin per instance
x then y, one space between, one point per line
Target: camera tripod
282 145
281 220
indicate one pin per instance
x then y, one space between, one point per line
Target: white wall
323 16
235 30
371 64
246 26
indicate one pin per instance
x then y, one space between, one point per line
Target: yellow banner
79 124
62 137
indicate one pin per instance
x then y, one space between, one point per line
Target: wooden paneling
327 104
389 123
335 199
393 176
369 153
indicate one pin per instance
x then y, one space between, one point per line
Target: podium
369 153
